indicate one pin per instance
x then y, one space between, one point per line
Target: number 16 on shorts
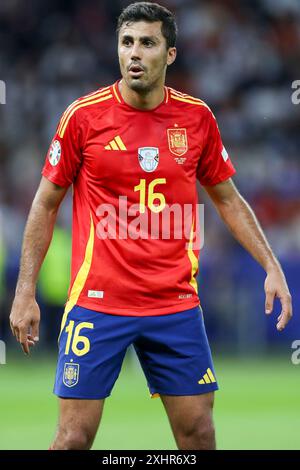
79 344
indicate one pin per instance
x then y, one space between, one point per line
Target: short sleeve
214 164
64 157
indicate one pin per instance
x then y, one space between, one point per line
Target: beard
139 86
144 84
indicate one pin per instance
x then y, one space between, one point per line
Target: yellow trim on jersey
116 93
81 105
208 378
89 97
116 144
176 92
198 103
167 94
81 276
193 259
185 96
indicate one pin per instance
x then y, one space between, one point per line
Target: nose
135 52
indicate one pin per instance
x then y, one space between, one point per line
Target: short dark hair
150 12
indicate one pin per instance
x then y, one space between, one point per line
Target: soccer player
133 152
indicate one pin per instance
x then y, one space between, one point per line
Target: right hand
24 321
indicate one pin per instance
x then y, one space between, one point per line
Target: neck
146 101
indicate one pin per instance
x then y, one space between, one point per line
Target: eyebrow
142 38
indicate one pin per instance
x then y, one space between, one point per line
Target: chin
138 84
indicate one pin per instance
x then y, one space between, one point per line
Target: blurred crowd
241 57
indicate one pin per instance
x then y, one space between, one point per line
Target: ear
172 52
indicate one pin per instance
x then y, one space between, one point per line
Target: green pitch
256 408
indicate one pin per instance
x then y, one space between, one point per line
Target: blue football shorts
172 349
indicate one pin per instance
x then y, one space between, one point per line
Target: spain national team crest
148 158
177 140
71 374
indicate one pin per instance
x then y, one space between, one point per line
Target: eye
148 43
126 42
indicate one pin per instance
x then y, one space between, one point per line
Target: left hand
276 286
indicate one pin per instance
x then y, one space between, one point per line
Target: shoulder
84 106
188 101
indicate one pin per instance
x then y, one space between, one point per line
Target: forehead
138 29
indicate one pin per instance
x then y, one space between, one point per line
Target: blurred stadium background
241 57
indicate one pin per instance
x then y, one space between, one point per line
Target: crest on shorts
148 158
177 140
71 374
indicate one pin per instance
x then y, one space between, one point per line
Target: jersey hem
143 312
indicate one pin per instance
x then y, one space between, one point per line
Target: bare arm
242 223
25 313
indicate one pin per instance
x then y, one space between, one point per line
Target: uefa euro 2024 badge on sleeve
55 152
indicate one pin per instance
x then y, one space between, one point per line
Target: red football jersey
135 199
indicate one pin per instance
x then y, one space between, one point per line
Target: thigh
80 415
187 409
175 355
191 420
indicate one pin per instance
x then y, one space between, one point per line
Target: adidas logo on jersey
115 144
207 378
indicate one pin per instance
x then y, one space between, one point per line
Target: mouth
136 71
